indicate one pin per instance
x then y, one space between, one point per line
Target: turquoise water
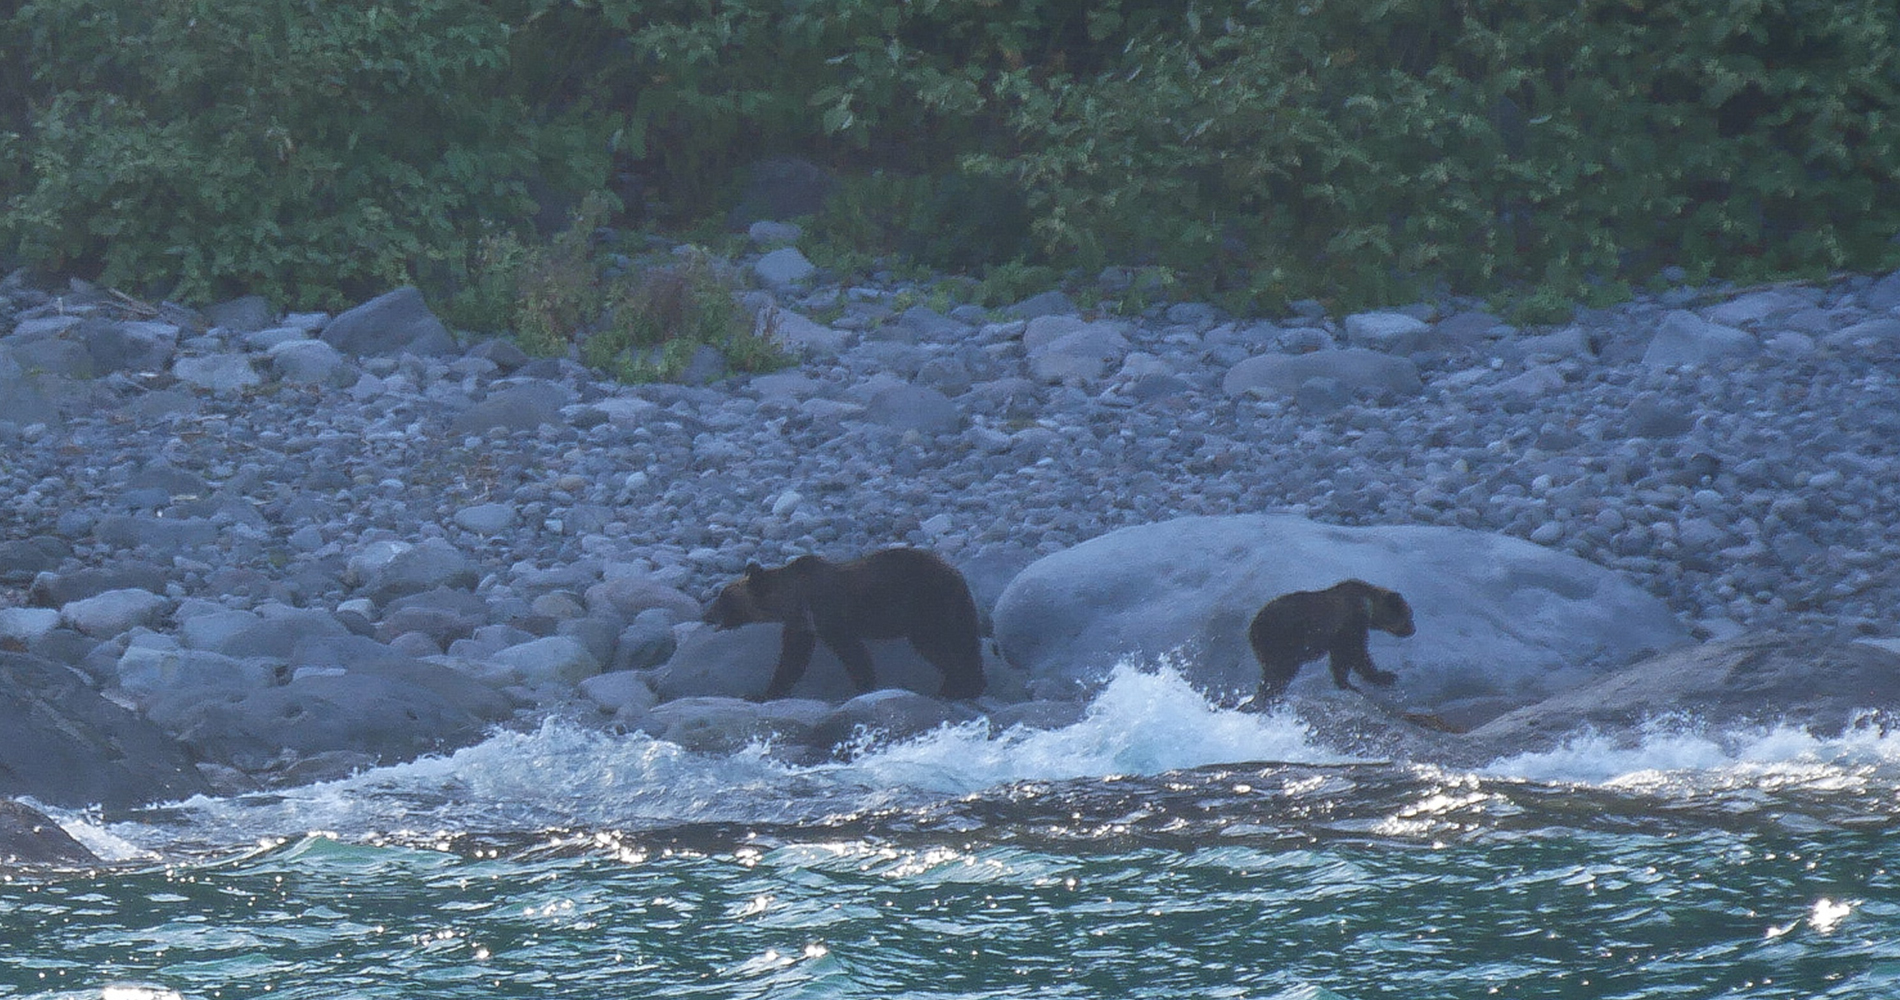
1126 856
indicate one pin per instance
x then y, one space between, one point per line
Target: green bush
313 153
1355 151
1368 151
642 321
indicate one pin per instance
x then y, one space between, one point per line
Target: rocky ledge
240 548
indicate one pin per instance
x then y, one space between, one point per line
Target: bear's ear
757 581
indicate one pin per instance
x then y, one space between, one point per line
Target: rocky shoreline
287 546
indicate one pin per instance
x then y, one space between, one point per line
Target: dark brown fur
892 594
1303 626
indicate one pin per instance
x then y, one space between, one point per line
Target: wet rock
67 746
1759 678
30 837
391 710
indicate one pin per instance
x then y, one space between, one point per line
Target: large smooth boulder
1760 678
1501 622
68 746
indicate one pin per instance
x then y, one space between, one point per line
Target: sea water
1160 847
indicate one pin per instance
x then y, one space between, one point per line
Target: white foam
1675 751
1144 722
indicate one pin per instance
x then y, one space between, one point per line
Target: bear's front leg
794 655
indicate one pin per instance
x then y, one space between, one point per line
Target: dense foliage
1263 150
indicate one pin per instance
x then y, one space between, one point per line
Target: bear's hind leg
1276 675
961 664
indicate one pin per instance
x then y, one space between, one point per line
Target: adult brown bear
896 593
1303 626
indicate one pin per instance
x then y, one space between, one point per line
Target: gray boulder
388 710
425 566
113 612
524 406
553 661
128 346
219 374
1880 331
1683 338
394 323
1069 350
1501 622
628 596
310 361
804 335
154 672
67 746
622 693
23 397
1390 332
784 267
1759 308
165 535
1759 678
645 643
25 558
26 625
53 590
1359 371
241 315
917 408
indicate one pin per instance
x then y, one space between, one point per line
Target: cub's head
743 601
1387 611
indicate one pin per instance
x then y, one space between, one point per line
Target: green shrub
1338 149
642 321
1368 151
313 153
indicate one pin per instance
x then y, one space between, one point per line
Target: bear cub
895 593
1303 626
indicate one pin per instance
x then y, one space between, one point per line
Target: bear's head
743 601
1387 611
